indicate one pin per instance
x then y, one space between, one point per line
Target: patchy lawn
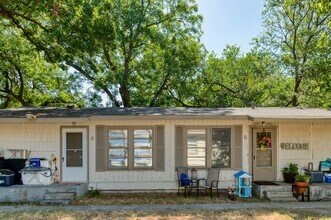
155 198
166 214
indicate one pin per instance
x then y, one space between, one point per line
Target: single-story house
139 148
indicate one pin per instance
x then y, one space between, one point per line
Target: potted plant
301 181
290 172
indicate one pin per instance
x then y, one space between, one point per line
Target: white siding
165 180
42 139
318 136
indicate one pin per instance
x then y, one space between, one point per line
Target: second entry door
264 155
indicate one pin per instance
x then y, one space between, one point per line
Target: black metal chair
211 182
183 181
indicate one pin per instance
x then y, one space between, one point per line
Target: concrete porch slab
318 191
39 193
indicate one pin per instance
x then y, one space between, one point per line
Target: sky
230 22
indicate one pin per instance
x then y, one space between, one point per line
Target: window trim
208 155
130 129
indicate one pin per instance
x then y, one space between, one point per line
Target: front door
264 154
74 154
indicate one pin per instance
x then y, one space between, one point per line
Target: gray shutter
159 149
179 147
100 149
238 140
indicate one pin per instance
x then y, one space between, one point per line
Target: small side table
303 195
196 184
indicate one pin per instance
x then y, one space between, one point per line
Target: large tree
298 34
26 79
134 51
236 79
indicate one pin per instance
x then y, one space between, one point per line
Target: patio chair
211 181
183 181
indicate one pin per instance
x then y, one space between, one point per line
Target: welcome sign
294 146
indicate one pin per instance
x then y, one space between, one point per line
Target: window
118 148
143 150
130 148
196 147
221 147
209 147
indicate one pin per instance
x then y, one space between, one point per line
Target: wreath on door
264 143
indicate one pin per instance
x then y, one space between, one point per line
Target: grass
156 215
156 198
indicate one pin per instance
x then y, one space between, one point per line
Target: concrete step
61 190
60 196
278 194
58 201
285 199
275 188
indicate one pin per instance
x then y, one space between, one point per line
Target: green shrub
93 193
292 168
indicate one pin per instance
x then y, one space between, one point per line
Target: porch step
280 196
280 199
60 196
61 190
58 201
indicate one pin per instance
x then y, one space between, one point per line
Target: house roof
159 112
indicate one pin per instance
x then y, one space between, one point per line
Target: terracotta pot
299 189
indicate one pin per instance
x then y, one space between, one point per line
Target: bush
292 168
93 193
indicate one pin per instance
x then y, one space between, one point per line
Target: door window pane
74 141
74 158
263 140
74 153
264 158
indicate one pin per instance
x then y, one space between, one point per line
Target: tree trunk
295 102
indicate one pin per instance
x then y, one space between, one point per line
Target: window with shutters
130 148
196 147
210 147
221 147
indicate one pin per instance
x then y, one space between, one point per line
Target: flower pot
289 177
301 187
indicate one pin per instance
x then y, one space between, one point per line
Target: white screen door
264 155
74 155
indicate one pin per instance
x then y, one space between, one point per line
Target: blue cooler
327 177
34 162
7 177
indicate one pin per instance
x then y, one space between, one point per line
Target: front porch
283 191
60 193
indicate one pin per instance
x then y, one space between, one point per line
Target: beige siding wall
317 135
166 180
42 139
